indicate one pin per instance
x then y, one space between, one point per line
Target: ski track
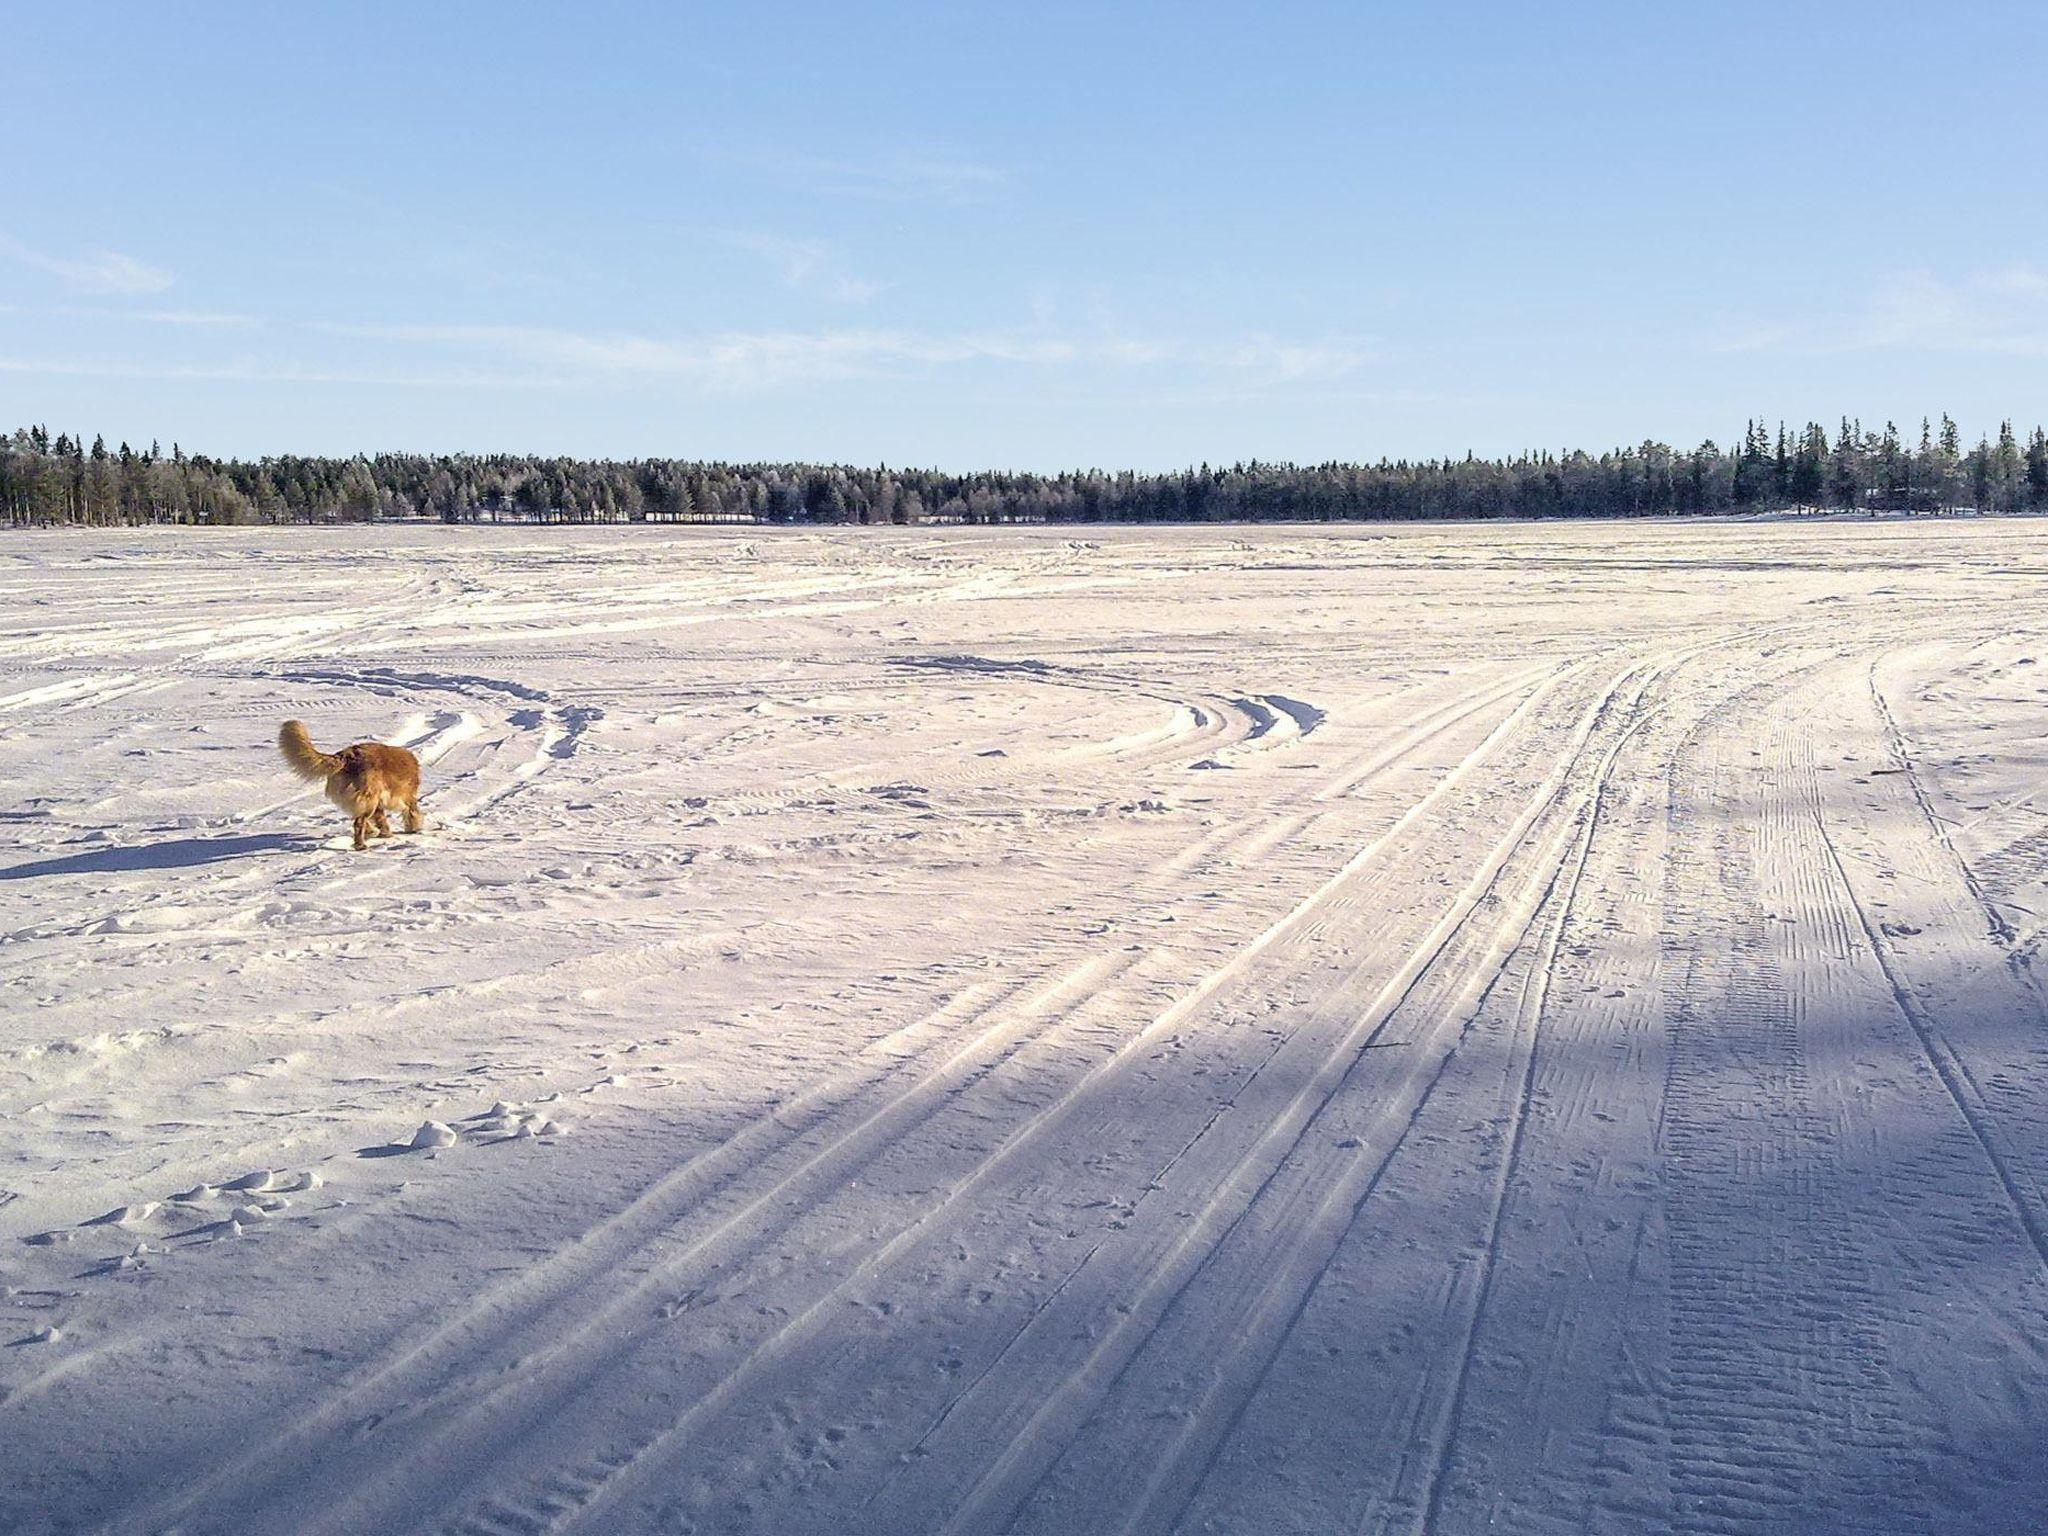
989 1495
1301 1252
1422 1030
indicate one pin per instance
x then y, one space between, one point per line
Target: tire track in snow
1690 1414
1397 1493
1443 1407
2002 931
1775 1389
1370 764
2029 1208
778 1345
1437 1444
73 692
1249 1325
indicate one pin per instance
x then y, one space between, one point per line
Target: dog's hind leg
414 821
380 822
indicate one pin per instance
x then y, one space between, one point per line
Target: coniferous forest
62 479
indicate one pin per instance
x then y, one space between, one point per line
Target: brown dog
368 780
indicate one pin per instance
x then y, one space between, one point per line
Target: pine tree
1753 468
1845 472
1981 473
1945 471
2008 471
1810 467
1893 477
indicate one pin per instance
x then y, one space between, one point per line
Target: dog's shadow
171 853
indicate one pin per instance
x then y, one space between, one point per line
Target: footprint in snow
272 1181
123 1216
121 1263
501 1122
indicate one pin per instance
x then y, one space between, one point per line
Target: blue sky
1028 236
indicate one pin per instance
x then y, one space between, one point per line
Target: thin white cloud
895 177
807 266
757 360
1738 337
2003 312
254 372
2019 280
187 317
1288 362
731 360
94 272
735 362
205 317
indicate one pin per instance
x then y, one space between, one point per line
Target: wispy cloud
808 266
900 176
2003 312
94 272
442 354
768 359
202 317
1289 362
258 372
1737 336
180 317
730 361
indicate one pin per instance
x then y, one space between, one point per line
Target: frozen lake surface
1470 1029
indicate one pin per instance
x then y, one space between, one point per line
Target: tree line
45 479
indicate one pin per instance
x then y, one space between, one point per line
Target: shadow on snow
171 853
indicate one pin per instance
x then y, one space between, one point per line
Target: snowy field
1521 1029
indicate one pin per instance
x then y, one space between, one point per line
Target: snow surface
1461 1029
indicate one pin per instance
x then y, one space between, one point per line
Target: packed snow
1424 1029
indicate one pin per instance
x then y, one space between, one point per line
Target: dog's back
368 780
383 773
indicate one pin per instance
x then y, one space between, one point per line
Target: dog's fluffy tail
307 760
